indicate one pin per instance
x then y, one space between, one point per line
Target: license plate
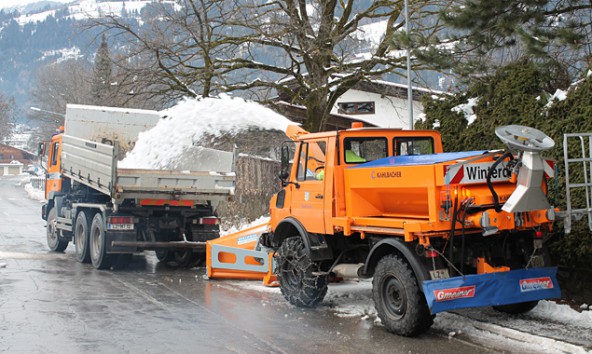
120 227
439 274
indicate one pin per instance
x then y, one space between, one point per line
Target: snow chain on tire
295 275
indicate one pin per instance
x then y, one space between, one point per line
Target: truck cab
313 171
53 181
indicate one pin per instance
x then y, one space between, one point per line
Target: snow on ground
32 192
191 120
353 299
10 4
235 228
466 110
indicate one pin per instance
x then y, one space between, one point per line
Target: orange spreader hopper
240 256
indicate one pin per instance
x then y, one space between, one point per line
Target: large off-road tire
81 232
400 305
516 309
53 240
295 275
98 244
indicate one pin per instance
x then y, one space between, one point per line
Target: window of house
359 150
414 146
356 107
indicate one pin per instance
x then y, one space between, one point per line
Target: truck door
308 197
53 181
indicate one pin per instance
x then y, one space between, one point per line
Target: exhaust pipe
348 270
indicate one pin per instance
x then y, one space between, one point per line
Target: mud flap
491 289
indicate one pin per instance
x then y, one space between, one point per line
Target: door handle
319 196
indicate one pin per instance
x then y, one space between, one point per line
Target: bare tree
174 53
56 85
318 41
303 49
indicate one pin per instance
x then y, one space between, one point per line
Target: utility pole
409 89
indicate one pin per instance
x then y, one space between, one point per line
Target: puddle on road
23 255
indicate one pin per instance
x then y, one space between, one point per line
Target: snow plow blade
491 289
240 256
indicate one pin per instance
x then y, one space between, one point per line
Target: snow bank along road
50 303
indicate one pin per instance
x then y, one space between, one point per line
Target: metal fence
38 182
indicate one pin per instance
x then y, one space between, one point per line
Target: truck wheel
164 255
400 305
188 258
81 230
53 239
516 309
98 247
295 275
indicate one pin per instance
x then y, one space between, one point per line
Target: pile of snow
185 124
34 193
243 226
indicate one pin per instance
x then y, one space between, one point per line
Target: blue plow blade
491 289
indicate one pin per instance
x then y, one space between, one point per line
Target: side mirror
41 149
286 159
283 175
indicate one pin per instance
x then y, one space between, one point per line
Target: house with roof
13 160
381 104
376 103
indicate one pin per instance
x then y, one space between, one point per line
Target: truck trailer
110 213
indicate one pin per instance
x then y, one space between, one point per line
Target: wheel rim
95 240
394 298
52 237
80 239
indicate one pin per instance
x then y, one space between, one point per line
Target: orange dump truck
110 212
436 231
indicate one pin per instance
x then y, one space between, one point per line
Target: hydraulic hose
496 203
453 228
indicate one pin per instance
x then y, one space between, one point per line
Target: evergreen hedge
519 94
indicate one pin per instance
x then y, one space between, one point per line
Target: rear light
431 254
211 220
121 220
123 223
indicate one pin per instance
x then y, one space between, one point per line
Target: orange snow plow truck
436 231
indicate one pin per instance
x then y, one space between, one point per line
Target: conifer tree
490 34
101 85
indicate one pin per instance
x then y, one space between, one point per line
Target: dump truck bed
95 165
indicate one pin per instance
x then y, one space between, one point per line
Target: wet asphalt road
49 303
